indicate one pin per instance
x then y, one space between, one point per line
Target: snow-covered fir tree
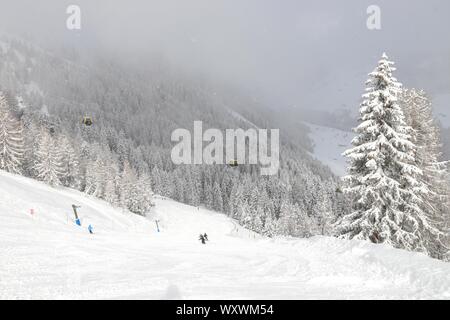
418 112
48 162
384 182
11 139
70 163
208 195
217 197
31 138
140 200
111 193
127 180
236 201
294 221
96 177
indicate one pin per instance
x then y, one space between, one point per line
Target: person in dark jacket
202 239
205 236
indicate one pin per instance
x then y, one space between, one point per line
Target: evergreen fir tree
96 176
384 181
140 200
112 183
236 201
294 221
426 136
127 182
217 197
11 139
70 164
48 163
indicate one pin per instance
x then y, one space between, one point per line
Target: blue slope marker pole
157 226
77 220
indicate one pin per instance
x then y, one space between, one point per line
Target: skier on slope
202 239
205 236
91 229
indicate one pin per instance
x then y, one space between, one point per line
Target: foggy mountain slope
441 107
135 110
153 92
149 102
328 146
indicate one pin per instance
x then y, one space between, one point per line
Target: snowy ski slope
46 256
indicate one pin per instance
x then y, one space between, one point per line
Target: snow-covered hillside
329 144
441 106
48 256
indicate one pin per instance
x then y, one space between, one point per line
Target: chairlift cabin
233 163
87 121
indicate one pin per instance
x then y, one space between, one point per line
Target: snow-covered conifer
141 195
293 221
418 112
236 201
127 181
217 197
384 181
11 139
70 163
48 163
96 176
111 194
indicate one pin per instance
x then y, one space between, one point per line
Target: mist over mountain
296 54
134 112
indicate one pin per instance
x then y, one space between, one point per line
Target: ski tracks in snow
48 256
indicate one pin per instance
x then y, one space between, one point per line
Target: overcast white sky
312 54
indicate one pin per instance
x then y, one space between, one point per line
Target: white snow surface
329 144
46 256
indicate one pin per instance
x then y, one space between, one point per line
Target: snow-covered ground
329 144
48 256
